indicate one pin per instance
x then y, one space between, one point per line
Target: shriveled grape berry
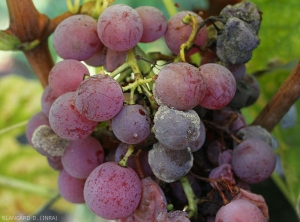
176 129
169 165
246 11
236 42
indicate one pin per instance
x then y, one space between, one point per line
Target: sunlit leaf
26 180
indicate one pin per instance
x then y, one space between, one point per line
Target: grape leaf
288 139
26 180
289 153
279 33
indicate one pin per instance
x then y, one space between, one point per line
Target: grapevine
179 147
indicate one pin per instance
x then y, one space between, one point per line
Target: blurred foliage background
27 183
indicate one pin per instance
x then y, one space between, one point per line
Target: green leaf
19 99
279 33
26 180
288 139
289 153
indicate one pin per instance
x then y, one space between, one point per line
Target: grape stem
138 164
212 20
73 8
219 185
136 83
124 75
139 80
153 103
143 62
120 69
123 161
190 195
170 6
189 43
159 56
170 207
280 103
99 6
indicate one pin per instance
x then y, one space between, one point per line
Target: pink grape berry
112 191
220 86
120 27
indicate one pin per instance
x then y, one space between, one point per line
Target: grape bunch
138 144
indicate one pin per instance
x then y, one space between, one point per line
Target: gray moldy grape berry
255 131
247 12
236 43
46 141
171 216
239 35
198 142
176 129
34 122
169 165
